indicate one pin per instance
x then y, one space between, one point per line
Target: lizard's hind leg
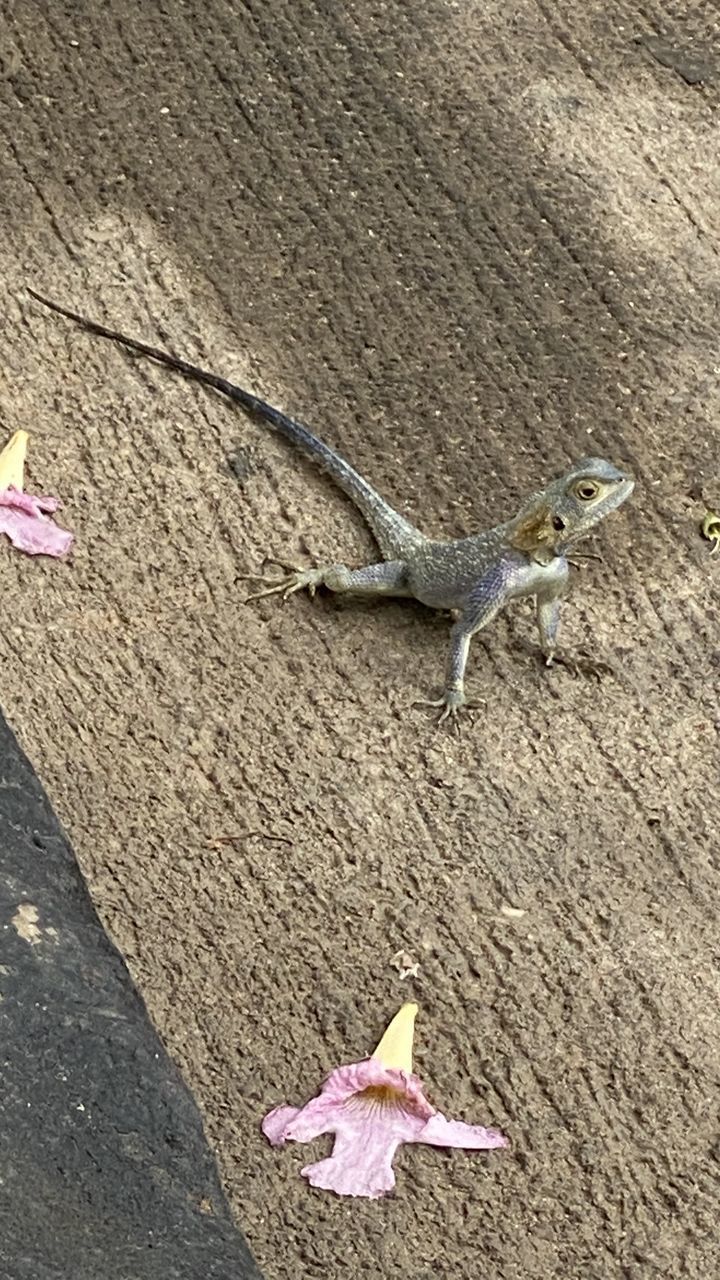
388 578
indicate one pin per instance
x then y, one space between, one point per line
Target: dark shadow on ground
104 1168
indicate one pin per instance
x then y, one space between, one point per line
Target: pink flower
372 1107
23 518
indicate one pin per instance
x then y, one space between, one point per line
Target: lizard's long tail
394 535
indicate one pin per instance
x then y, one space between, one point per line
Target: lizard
472 577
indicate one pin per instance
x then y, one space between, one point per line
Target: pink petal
275 1124
371 1110
316 1117
22 519
439 1132
368 1126
368 1131
346 1085
32 503
360 1165
345 1081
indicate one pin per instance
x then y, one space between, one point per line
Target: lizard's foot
297 580
582 664
450 703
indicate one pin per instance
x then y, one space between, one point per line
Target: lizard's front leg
386 579
548 598
548 618
548 621
484 602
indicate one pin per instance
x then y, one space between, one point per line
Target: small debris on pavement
710 529
405 965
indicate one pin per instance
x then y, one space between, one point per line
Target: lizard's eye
586 490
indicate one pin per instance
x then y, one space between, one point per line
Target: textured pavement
467 243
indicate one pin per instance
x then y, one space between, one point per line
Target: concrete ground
467 243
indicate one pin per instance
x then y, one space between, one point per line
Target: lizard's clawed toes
295 580
581 664
275 587
450 705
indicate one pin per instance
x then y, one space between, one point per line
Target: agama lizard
474 577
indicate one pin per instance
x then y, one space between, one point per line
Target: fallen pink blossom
371 1108
24 518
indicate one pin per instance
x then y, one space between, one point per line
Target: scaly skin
473 577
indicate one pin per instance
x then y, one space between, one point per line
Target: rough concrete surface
105 1173
467 242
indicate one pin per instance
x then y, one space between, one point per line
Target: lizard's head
570 507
